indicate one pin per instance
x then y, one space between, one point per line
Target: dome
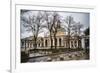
61 31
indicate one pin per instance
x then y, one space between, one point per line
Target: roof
61 30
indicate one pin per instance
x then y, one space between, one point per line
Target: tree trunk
51 43
51 40
55 41
35 43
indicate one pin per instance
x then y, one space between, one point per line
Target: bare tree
48 25
52 24
79 27
33 24
56 26
77 32
69 21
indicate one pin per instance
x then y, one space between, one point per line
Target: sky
83 18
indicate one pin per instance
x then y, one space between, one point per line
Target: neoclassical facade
61 41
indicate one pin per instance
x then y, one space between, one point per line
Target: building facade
61 42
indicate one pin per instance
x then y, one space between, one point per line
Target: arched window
41 42
59 41
75 44
79 43
46 43
30 45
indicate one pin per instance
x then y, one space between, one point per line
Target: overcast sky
83 18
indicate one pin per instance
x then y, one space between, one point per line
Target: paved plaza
63 56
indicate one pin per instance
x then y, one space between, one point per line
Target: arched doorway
46 43
59 41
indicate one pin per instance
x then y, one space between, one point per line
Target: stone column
77 43
73 44
23 44
40 44
44 42
70 44
32 44
29 44
49 42
83 42
62 41
65 45
58 42
26 44
53 41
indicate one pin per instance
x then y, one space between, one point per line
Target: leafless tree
48 25
69 21
52 24
33 24
77 32
56 26
79 27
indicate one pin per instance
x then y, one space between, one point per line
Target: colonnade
45 43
